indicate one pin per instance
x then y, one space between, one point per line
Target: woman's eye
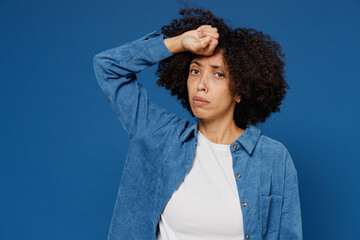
192 71
220 74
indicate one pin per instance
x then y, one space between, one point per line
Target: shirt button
244 204
247 235
238 175
234 146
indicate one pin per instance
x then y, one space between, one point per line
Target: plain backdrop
62 148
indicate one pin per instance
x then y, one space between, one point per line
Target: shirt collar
247 140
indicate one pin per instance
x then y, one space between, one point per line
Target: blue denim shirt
162 149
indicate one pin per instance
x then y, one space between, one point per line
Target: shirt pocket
270 211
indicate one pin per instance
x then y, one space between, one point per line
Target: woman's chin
200 115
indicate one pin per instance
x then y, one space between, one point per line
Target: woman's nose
202 84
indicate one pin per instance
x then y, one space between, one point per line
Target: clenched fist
202 41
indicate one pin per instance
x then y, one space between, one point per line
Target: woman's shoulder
271 144
176 130
275 153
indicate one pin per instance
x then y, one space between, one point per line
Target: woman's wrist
174 44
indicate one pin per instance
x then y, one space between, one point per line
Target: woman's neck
220 132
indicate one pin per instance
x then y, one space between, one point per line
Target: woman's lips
200 101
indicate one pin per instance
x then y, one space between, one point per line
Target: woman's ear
237 98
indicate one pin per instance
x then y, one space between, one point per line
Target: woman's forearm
174 44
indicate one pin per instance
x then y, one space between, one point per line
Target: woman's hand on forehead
201 41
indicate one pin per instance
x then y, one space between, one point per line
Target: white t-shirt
206 205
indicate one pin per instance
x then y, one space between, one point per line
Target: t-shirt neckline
222 147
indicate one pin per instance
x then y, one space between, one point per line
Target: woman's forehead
215 60
216 56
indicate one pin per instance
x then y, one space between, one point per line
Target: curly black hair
254 60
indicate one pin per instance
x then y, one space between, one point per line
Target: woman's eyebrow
211 65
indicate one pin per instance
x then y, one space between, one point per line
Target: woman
218 177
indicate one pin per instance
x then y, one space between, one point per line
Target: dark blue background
62 148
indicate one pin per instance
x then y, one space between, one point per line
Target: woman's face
209 79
